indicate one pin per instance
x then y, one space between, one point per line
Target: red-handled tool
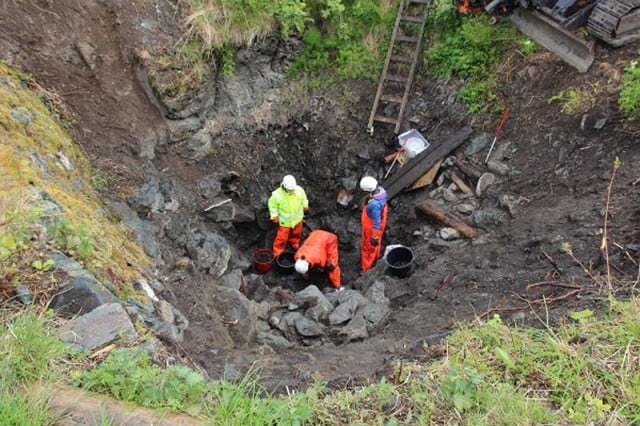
504 120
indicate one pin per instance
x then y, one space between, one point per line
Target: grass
29 352
346 38
576 101
468 47
629 98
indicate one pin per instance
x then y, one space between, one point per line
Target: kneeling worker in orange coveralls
320 250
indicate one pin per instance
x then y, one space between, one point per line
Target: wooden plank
430 208
461 184
427 178
418 165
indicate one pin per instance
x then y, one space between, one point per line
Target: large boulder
237 314
210 251
105 324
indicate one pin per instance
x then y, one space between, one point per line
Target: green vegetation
130 376
37 210
489 373
346 36
575 100
468 47
629 99
29 353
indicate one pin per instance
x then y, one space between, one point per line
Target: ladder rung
397 78
385 119
399 58
407 39
407 18
391 98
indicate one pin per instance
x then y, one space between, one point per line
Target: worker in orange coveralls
373 221
287 205
320 250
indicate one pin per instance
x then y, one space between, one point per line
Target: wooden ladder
403 56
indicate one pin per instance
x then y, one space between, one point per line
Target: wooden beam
427 178
461 184
433 211
421 163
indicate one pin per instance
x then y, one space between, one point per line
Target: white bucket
413 142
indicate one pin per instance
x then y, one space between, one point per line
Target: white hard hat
302 266
368 183
289 182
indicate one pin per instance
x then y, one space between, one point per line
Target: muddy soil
557 186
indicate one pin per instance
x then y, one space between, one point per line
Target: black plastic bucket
285 262
399 261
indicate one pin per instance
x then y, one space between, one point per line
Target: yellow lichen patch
37 157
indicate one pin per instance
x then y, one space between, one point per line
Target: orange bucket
262 260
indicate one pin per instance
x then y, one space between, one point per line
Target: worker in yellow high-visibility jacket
287 206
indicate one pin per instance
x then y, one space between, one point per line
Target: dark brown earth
561 170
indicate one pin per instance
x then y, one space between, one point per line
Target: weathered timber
421 163
433 211
461 184
427 178
467 169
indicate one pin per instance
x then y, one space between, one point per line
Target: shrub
629 99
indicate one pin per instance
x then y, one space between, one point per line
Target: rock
465 208
142 285
273 340
375 315
355 330
223 213
158 323
349 183
262 310
143 230
256 289
498 168
21 114
87 53
314 292
147 198
375 293
288 325
80 296
448 195
487 179
599 124
106 324
448 234
344 198
487 217
209 188
199 145
231 373
477 144
510 202
349 303
232 279
237 315
210 252
165 311
181 129
308 328
24 295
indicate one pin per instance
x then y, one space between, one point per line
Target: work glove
274 220
329 267
374 242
